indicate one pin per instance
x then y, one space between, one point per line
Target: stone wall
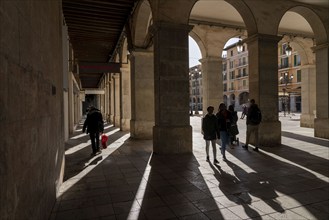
31 107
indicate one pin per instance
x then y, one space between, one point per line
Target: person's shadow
237 189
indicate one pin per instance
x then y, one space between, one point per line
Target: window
244 72
224 66
244 61
283 49
239 73
299 75
244 83
284 63
231 64
231 53
232 75
296 60
225 87
224 76
232 86
243 48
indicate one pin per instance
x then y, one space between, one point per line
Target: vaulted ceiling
95 26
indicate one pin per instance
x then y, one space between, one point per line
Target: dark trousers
94 137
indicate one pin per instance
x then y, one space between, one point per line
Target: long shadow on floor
312 140
302 158
78 151
296 186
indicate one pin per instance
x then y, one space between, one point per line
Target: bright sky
194 51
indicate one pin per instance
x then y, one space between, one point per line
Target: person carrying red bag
104 139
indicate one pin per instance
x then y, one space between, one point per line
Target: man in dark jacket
254 118
94 124
210 131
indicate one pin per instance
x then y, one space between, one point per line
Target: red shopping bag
104 139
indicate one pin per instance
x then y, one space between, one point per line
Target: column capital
155 27
321 46
263 37
212 59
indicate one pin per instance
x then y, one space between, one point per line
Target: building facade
236 79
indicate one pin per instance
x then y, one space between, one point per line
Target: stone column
308 96
142 94
321 122
172 132
126 98
117 100
212 82
263 85
112 95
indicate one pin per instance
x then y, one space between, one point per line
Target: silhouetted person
224 121
210 131
254 118
94 124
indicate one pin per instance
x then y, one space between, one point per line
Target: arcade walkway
127 182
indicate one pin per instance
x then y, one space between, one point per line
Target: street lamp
239 45
285 79
288 50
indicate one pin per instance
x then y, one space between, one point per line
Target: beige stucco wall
31 112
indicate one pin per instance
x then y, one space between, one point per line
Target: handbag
233 130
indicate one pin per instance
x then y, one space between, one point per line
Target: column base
270 134
141 129
307 120
117 120
321 128
125 124
172 140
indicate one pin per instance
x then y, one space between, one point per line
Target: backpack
256 116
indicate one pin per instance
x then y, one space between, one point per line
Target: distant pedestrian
210 132
94 124
254 118
224 121
244 111
233 130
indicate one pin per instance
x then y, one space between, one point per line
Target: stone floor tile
126 207
195 195
133 215
207 205
286 215
245 211
174 199
321 206
149 203
268 206
104 210
221 214
197 216
184 209
310 213
159 213
122 197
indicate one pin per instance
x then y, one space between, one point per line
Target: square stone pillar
142 95
212 82
263 85
126 98
111 96
172 132
117 100
308 96
321 123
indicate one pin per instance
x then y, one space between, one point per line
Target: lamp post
286 79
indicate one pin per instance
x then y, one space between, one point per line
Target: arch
243 98
142 19
318 27
232 99
199 42
246 14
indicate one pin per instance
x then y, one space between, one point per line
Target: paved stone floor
127 182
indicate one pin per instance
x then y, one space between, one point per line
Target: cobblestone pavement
127 182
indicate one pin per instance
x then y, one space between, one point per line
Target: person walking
210 132
233 130
95 125
254 117
244 111
224 121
